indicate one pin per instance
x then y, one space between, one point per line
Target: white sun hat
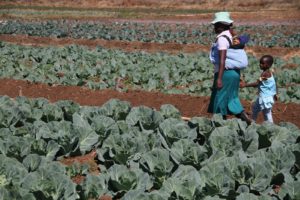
222 17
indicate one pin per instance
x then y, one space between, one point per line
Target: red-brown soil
248 12
188 105
87 159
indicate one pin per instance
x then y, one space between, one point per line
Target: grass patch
16 10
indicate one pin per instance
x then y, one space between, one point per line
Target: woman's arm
222 54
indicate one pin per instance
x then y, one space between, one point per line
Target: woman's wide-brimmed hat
222 17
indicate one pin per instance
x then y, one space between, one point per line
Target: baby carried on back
236 57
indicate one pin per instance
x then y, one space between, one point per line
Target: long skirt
226 100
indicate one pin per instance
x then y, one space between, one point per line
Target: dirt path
255 11
189 106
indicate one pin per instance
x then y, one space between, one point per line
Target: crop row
105 68
261 35
142 153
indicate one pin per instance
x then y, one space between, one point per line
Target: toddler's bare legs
255 109
266 112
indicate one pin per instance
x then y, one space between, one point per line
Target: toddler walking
266 90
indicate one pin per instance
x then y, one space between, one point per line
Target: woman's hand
219 83
222 54
242 84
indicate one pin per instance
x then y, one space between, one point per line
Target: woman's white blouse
222 42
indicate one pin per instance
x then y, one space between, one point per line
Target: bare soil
188 105
246 12
87 159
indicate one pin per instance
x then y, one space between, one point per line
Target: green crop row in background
261 35
104 68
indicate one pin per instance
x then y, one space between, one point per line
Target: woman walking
224 98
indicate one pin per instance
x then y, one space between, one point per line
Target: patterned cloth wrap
235 58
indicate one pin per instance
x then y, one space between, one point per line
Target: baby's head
266 62
239 42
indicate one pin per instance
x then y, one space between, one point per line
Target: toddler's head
266 62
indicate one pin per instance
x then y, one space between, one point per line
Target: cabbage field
143 153
101 68
261 35
139 152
